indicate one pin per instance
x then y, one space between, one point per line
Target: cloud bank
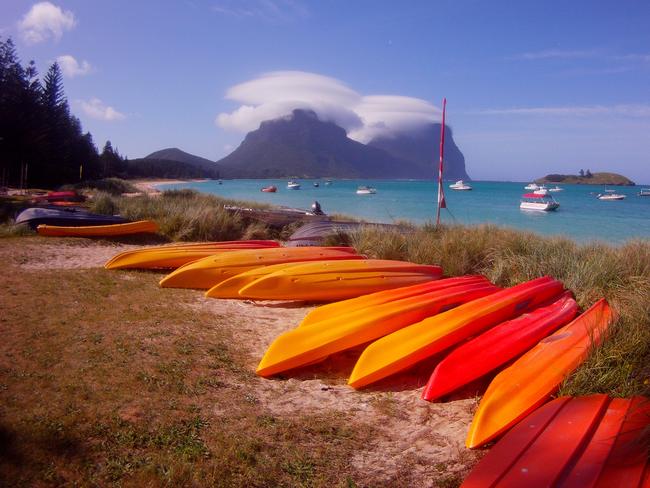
276 94
71 67
96 109
45 21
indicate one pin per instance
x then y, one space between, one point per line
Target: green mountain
175 154
421 148
302 145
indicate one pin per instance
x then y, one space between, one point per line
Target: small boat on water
531 186
366 190
644 192
460 185
556 188
293 185
316 184
610 195
328 182
535 201
270 189
542 190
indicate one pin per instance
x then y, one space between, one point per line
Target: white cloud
44 21
276 94
556 54
96 109
274 10
71 67
639 110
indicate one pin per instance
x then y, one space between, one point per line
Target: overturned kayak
529 381
174 256
337 309
589 441
230 287
305 345
497 346
208 272
406 347
70 217
338 280
112 230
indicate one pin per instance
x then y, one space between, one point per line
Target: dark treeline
43 145
41 142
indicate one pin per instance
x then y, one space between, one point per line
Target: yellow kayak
176 255
207 272
336 309
230 287
406 347
529 381
338 280
139 227
305 345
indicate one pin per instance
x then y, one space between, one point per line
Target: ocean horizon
581 216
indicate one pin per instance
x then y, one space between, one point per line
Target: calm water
581 216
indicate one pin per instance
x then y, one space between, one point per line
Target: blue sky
532 87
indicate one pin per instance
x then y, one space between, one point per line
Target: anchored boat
535 201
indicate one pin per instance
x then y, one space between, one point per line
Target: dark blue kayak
71 217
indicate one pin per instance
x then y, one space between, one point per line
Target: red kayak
497 346
590 441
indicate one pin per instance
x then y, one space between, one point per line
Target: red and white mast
441 193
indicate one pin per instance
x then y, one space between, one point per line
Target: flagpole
441 194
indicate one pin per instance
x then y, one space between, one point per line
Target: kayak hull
325 312
112 230
177 255
529 381
305 345
410 345
585 441
497 346
332 280
210 271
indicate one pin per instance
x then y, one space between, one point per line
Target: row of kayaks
262 270
401 315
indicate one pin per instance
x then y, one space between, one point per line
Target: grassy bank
621 367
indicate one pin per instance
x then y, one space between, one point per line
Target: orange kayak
410 345
498 346
139 227
590 441
529 381
230 287
305 345
207 272
338 280
330 310
176 255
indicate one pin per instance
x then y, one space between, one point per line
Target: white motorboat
610 195
460 185
644 192
535 201
293 185
366 190
542 190
531 186
556 188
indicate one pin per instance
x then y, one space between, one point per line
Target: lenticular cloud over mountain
276 94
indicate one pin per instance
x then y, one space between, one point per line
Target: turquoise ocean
581 215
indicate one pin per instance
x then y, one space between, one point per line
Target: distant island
587 178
